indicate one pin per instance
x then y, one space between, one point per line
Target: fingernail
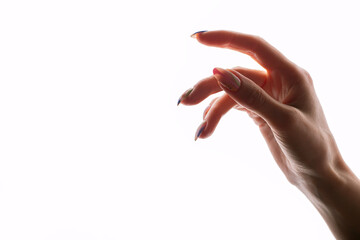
200 130
185 95
227 79
196 33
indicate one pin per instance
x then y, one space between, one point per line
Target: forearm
335 192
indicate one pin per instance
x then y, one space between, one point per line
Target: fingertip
206 133
200 130
197 34
205 129
184 96
226 79
216 71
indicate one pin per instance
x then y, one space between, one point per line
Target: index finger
260 50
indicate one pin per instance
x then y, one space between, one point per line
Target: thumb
246 93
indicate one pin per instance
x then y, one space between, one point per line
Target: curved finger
216 111
200 91
260 50
253 98
257 76
208 86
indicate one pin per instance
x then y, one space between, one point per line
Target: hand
283 103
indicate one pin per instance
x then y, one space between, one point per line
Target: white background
93 146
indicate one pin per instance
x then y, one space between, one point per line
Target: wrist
319 184
335 193
328 171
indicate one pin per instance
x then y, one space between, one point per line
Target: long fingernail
196 33
227 79
200 130
184 95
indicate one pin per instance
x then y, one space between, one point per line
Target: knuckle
298 75
307 76
299 72
230 41
306 73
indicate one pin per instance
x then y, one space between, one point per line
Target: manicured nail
227 79
200 130
196 33
185 95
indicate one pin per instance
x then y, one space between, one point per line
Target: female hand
283 103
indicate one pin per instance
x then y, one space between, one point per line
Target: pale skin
282 102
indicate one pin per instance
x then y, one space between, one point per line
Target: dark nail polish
200 130
184 95
194 34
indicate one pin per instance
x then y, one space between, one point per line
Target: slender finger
257 76
216 111
208 86
260 50
201 90
208 107
236 106
253 98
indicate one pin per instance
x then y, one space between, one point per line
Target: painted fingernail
184 95
196 33
200 130
227 79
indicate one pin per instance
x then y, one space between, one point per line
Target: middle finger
208 86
